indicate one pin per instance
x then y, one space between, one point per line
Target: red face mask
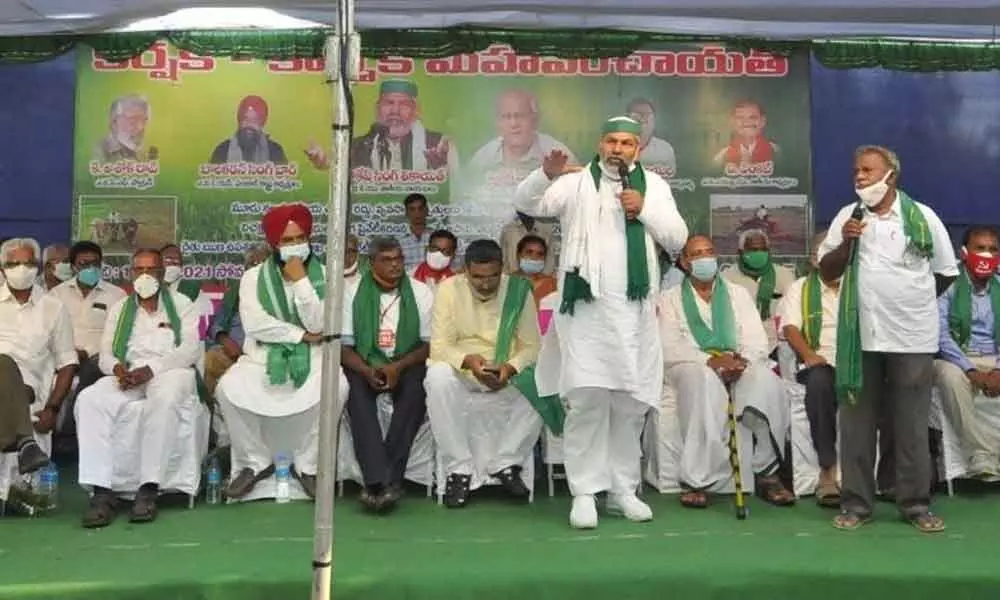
981 264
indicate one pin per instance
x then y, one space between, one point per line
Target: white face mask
21 277
874 193
63 271
437 260
146 286
300 251
172 273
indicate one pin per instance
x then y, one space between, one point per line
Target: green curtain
436 43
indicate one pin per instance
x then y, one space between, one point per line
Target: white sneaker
630 507
584 513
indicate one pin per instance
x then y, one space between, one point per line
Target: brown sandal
926 522
771 490
849 521
828 495
694 499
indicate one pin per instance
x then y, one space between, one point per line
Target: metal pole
342 56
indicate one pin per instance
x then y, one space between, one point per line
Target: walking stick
734 454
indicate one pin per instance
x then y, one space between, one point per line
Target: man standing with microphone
608 364
895 258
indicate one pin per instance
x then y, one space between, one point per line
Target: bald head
517 119
699 245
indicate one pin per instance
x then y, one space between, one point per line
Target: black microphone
623 174
857 215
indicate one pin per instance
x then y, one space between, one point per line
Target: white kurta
702 397
612 342
167 400
605 360
265 420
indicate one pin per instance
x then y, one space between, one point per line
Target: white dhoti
168 400
602 442
266 420
478 432
702 413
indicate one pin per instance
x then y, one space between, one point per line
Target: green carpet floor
492 550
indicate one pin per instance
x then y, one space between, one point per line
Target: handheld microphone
623 174
857 215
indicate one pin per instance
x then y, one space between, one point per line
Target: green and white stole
849 377
550 408
721 337
575 287
765 277
286 361
367 317
960 310
812 309
126 323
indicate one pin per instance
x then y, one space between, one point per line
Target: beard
248 138
132 142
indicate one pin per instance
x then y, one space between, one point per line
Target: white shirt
790 313
389 319
897 295
658 155
260 326
679 345
88 313
38 334
490 156
152 341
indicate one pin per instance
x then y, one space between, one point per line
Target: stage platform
493 550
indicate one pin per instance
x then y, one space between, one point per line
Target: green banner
729 129
174 147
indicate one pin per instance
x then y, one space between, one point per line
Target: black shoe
30 457
101 511
245 480
511 482
308 482
386 501
456 490
144 508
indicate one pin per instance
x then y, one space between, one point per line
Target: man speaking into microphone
607 365
895 257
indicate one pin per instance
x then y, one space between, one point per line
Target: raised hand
555 164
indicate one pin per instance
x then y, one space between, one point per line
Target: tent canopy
778 19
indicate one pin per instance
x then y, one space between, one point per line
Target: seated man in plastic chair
226 330
969 361
35 334
481 395
275 385
148 351
808 316
715 352
386 329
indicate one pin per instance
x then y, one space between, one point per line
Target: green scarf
765 277
849 377
550 408
190 288
812 309
126 323
367 315
960 311
722 336
286 361
576 287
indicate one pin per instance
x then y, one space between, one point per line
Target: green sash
190 288
812 309
286 361
126 323
550 408
575 287
367 317
849 377
722 336
765 277
960 311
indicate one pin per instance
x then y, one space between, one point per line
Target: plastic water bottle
213 491
48 487
281 474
